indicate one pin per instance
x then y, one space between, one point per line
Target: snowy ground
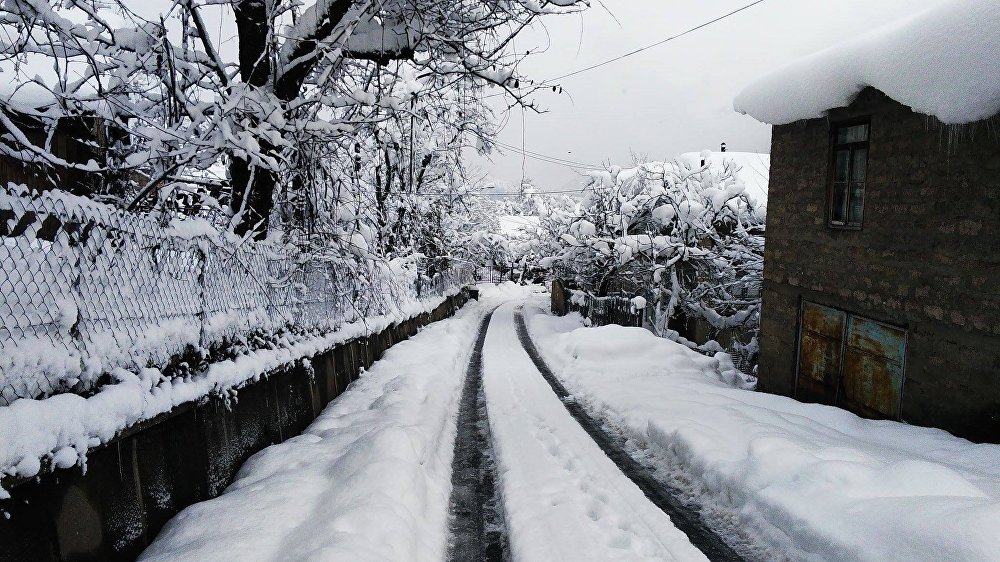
565 499
370 478
794 480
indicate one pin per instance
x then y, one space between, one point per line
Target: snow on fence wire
490 274
602 311
88 289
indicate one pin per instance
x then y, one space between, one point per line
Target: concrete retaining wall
137 482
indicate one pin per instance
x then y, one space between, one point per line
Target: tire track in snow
683 517
478 531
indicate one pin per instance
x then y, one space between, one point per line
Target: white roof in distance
514 226
944 61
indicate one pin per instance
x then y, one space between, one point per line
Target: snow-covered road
565 499
368 480
371 478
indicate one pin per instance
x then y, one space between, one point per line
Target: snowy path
373 477
565 499
478 531
369 479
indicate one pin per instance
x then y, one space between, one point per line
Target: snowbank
370 479
942 62
65 426
802 481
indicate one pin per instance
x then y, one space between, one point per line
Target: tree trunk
253 193
253 186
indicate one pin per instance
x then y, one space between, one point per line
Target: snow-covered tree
299 77
689 236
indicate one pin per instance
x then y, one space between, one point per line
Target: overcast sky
671 99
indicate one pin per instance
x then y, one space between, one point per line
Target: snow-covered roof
753 168
31 98
518 225
944 62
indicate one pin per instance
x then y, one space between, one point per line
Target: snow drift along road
812 482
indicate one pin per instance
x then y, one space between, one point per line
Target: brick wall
927 257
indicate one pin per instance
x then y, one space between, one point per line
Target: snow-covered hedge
686 238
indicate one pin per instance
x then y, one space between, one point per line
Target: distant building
882 263
70 143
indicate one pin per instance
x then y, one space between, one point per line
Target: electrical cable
556 159
656 44
639 50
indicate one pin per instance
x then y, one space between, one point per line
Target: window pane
837 213
857 203
859 164
840 165
856 133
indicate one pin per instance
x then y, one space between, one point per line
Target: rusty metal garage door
873 368
851 361
821 346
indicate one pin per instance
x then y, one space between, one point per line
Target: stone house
882 262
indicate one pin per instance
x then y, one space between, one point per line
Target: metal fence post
202 298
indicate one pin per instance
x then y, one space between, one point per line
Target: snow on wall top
944 62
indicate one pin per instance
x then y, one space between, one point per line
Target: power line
556 159
555 192
640 49
656 44
554 162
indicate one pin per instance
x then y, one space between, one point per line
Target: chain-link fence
88 290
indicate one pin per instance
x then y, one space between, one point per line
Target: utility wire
657 44
488 194
640 49
525 153
509 194
555 162
556 159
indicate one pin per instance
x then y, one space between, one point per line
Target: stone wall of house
927 257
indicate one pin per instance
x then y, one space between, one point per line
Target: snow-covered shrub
685 238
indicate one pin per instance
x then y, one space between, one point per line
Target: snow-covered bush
688 239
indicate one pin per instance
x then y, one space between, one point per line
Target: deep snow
368 480
942 62
795 480
565 499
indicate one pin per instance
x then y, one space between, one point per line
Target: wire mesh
88 290
602 311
